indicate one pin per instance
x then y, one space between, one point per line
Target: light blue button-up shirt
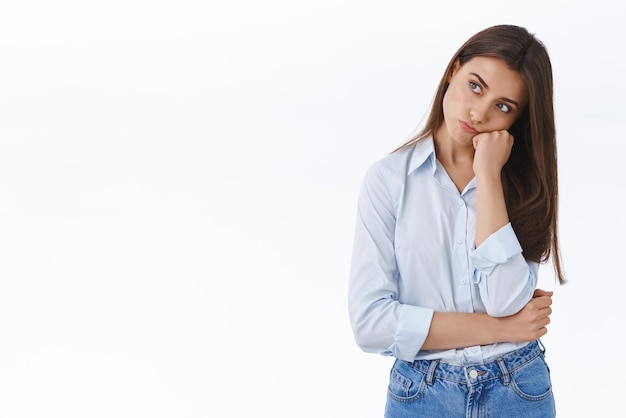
414 254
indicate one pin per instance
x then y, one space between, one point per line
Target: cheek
459 91
501 121
452 100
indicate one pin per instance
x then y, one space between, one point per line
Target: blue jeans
515 385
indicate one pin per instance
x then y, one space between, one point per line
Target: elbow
502 301
501 311
364 343
362 335
367 335
367 344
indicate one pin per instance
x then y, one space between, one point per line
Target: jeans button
473 374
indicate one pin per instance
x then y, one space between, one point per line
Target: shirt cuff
498 248
411 331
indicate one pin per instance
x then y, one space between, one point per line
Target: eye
475 87
503 107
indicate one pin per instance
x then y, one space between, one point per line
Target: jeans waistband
477 373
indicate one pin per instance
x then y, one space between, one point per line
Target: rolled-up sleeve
506 281
380 323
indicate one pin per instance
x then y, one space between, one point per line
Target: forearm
491 212
450 330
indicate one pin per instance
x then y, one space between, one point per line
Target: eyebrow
487 87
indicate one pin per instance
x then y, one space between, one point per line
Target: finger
543 324
541 292
540 302
543 301
543 319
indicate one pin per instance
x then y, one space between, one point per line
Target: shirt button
459 241
463 282
473 374
460 202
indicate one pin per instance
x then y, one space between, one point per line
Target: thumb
540 292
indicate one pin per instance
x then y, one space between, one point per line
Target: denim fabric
515 385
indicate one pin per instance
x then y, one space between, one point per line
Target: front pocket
405 383
532 380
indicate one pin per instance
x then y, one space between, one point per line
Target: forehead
500 79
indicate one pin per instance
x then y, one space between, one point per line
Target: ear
455 68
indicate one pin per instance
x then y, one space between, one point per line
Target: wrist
489 175
500 330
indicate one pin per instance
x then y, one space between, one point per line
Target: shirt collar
422 150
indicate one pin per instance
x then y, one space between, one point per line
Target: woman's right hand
530 323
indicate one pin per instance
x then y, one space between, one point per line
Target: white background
178 185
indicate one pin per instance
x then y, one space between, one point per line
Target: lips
468 128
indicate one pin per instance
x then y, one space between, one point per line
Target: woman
451 229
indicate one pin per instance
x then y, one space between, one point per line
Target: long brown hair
530 177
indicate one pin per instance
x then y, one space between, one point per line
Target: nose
478 113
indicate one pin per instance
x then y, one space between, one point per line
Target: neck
449 151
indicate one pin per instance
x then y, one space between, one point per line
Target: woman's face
483 95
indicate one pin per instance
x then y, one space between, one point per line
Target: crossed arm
454 329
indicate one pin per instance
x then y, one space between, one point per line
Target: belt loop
506 378
430 376
541 346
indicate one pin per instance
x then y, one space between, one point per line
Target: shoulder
393 166
386 178
399 164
